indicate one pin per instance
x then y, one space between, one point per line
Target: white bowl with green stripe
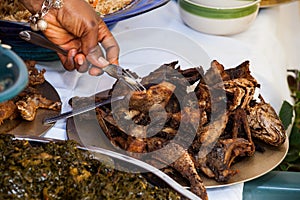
219 17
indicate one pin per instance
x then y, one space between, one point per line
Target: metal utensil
112 70
81 110
167 179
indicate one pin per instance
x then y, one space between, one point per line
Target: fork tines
132 82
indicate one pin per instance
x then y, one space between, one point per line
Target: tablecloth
271 45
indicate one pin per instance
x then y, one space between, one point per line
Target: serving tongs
124 158
113 70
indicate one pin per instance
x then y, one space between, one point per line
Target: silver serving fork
125 76
112 70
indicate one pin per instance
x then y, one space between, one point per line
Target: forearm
32 5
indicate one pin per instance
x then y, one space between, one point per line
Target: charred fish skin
265 124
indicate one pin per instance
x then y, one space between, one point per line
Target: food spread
13 10
105 7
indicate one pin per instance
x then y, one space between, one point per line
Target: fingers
94 60
74 61
95 57
111 47
89 41
85 65
94 54
81 63
80 36
68 61
109 43
95 71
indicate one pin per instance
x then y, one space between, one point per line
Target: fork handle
39 40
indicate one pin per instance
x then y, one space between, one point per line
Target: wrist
37 21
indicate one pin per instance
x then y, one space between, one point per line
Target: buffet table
271 45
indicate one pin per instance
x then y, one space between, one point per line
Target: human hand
77 28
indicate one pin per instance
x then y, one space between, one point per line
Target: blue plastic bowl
13 74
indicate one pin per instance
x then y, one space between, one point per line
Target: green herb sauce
59 170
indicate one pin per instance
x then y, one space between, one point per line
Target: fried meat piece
178 158
7 110
265 124
28 106
241 71
215 74
36 77
208 135
157 94
186 167
217 164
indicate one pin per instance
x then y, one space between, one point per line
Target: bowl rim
215 13
21 80
218 8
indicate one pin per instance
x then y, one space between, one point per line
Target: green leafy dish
39 169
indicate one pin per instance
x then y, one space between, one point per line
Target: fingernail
80 61
73 52
95 71
103 61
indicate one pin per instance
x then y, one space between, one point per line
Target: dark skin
77 28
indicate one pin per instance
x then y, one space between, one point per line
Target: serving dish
9 30
35 127
272 3
219 17
137 7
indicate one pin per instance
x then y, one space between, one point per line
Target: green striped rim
216 13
